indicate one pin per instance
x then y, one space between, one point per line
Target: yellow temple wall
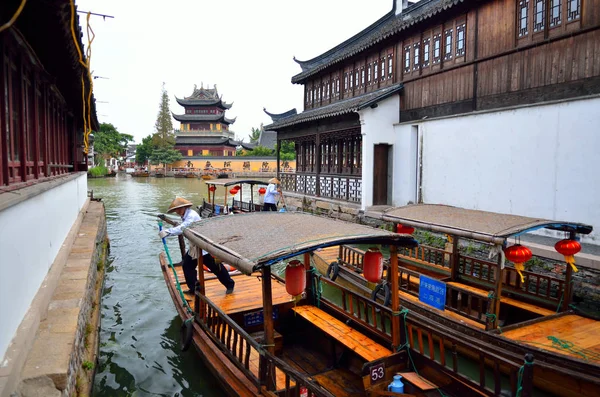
236 164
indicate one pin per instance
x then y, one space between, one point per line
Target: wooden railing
239 347
482 270
340 187
352 258
434 345
536 285
247 207
424 253
408 281
468 304
370 314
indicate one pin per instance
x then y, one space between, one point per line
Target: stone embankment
62 359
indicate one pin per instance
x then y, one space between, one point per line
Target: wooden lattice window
555 12
362 76
375 70
356 77
407 59
460 40
382 69
437 48
523 16
417 55
390 65
448 44
573 10
426 48
539 15
369 68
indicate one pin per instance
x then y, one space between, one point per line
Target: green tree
144 150
109 142
164 156
164 137
260 151
287 150
255 135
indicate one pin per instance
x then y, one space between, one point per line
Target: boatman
182 207
271 195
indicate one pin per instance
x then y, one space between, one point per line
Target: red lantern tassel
520 267
570 259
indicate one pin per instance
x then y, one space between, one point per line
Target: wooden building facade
41 120
436 59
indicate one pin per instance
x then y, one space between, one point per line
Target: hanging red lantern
568 248
295 279
262 191
373 265
212 188
404 229
518 254
233 191
237 187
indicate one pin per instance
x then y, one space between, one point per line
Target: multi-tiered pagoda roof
204 97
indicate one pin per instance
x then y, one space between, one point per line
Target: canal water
139 338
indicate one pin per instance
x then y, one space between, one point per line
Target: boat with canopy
235 189
305 335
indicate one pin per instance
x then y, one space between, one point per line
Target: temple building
204 129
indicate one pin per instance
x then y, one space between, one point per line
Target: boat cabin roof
252 241
478 225
229 182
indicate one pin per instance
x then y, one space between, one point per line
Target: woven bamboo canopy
230 182
251 241
478 225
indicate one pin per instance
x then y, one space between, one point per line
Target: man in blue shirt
271 195
182 207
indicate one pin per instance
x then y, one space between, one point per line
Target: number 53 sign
377 372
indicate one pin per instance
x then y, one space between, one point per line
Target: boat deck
578 336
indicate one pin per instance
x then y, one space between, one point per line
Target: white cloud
245 47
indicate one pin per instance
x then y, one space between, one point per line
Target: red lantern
233 191
262 190
212 188
295 279
237 187
519 255
568 248
404 229
373 265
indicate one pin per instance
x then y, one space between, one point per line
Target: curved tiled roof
279 116
204 117
204 140
382 29
337 108
204 102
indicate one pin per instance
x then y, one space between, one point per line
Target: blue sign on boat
256 318
432 292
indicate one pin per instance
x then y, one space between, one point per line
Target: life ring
186 333
387 293
333 270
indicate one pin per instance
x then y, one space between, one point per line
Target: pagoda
204 129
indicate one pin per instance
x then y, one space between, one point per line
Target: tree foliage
109 142
287 150
255 135
144 150
164 156
164 137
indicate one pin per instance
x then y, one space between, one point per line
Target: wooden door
380 175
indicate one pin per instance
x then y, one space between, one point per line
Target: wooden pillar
498 292
181 245
277 148
200 288
308 276
395 297
318 164
269 339
527 376
568 289
454 259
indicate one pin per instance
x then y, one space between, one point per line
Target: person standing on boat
182 207
271 195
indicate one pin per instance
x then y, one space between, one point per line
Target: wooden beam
454 259
395 297
309 276
498 292
568 289
268 325
199 307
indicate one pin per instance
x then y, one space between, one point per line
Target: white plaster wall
538 161
32 233
377 127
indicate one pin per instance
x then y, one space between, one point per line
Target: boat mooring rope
520 376
178 285
317 287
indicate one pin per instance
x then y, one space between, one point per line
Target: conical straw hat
274 180
178 203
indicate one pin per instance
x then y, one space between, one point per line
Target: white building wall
33 231
377 127
538 161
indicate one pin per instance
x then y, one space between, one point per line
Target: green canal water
139 337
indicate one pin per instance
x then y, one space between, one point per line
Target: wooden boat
159 173
140 174
530 316
185 173
328 341
210 208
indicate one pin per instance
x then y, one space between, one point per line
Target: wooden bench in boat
347 336
506 300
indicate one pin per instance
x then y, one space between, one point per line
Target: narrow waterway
139 338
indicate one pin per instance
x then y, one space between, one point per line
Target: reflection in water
139 341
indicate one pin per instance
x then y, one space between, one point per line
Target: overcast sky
245 47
